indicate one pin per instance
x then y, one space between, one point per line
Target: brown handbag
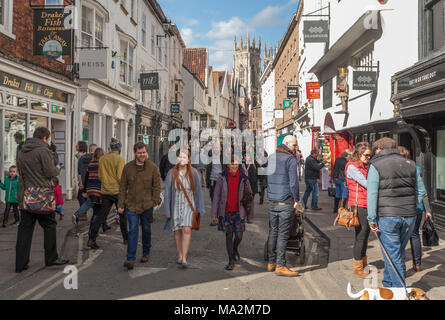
348 218
196 220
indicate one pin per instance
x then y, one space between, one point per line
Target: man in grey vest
283 194
393 195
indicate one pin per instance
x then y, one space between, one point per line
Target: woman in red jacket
356 172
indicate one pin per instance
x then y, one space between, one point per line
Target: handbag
348 218
39 200
196 220
332 191
429 234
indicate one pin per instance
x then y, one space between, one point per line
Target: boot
358 268
336 202
286 272
271 267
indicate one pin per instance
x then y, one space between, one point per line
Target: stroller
295 244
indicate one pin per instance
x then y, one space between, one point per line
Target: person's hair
82 146
359 150
55 180
346 154
12 167
385 143
290 138
314 151
139 145
18 135
404 151
189 175
92 146
98 153
41 132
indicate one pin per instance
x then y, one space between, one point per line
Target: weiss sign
93 64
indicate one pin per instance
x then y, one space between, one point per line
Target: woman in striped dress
177 209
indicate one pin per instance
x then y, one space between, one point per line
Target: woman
229 207
341 191
356 173
424 206
176 207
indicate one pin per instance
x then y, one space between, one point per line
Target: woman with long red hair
176 206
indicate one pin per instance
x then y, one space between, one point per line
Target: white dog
388 294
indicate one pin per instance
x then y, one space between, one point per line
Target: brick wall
22 47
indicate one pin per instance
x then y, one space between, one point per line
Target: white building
267 81
194 95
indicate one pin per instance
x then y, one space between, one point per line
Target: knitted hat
115 144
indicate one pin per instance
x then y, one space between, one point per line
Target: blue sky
212 24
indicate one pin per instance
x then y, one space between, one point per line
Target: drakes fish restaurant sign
52 33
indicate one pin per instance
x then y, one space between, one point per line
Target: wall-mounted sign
149 81
312 90
279 114
174 108
316 31
17 83
52 37
287 104
93 64
364 80
54 108
421 78
292 92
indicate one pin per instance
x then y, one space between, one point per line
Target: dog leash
392 265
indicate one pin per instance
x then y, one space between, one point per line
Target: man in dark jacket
311 176
394 188
283 194
165 165
36 169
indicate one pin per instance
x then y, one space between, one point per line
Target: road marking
140 272
309 277
303 288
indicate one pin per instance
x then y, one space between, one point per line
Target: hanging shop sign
292 92
149 81
174 108
93 64
312 90
364 80
52 32
421 78
316 31
287 104
17 83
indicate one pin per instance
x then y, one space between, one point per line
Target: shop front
419 100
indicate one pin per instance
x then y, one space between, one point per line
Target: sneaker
129 264
271 267
92 244
286 272
75 220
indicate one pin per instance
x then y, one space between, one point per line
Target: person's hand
428 216
58 167
374 227
121 210
295 205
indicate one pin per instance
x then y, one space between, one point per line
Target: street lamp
166 28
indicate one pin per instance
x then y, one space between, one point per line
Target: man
393 194
283 194
18 137
262 178
110 171
311 176
81 148
36 169
165 165
214 169
139 193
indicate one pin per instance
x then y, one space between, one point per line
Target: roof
178 35
195 59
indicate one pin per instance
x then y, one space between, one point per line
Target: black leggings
232 244
361 234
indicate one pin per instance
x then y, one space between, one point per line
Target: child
58 196
11 186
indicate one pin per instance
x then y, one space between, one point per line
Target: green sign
145 140
287 104
54 108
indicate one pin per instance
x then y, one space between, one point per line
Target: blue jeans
15 209
340 189
280 223
416 245
80 197
311 186
133 234
394 235
84 208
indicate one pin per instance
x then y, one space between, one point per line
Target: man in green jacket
11 186
139 193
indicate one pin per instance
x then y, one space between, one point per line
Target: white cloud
221 55
187 36
227 29
268 17
193 22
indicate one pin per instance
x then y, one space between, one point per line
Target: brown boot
271 267
358 268
129 264
144 258
285 271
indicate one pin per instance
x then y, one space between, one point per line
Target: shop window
440 165
56 109
14 123
16 101
37 105
37 122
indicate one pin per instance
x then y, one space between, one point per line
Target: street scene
188 151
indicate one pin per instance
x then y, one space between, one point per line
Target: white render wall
268 113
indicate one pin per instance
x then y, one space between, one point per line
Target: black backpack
429 234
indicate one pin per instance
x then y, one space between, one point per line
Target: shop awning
356 32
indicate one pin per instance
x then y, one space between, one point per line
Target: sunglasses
367 155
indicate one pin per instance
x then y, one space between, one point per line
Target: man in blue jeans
139 193
311 176
283 195
393 194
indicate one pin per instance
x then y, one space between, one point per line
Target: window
152 39
2 14
144 31
6 17
166 52
440 165
92 28
174 51
161 40
53 2
126 72
210 102
133 9
434 25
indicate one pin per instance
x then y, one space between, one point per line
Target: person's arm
48 167
123 187
373 194
85 181
420 188
426 204
120 168
2 185
293 179
354 174
200 205
167 195
156 187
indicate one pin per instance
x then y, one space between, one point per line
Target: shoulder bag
196 220
39 200
348 218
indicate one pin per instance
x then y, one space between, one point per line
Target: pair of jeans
100 216
80 197
394 235
340 189
311 186
361 234
24 238
416 245
84 208
133 234
15 209
281 217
